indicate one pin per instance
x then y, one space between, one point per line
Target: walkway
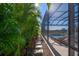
38 48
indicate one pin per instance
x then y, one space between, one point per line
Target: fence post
78 29
71 29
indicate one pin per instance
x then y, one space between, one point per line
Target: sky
43 8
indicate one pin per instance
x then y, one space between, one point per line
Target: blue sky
64 7
43 8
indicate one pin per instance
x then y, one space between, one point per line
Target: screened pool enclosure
60 29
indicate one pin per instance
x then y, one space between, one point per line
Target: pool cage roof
58 15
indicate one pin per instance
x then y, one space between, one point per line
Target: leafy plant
18 25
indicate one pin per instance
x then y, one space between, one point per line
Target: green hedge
18 25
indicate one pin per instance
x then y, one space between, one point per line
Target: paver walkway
38 48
